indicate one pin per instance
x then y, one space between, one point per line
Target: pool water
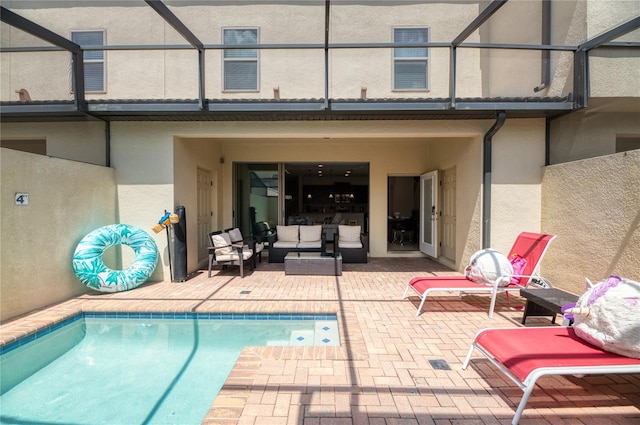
136 371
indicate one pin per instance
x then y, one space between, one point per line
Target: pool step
326 334
301 338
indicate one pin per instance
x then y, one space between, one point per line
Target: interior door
429 213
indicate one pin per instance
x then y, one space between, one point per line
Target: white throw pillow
287 233
310 233
235 235
222 242
348 233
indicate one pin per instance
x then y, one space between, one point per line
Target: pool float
91 270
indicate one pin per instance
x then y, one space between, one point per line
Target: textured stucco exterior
80 141
592 131
299 73
593 206
67 200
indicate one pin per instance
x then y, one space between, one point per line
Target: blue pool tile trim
157 315
39 333
209 316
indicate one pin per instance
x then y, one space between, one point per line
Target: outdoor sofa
314 238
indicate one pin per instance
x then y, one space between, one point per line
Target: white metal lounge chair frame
494 289
528 384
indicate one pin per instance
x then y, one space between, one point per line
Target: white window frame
86 61
255 59
425 59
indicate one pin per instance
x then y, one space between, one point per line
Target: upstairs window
240 65
410 64
94 65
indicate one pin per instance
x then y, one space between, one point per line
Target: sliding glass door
256 202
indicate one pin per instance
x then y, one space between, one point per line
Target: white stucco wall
189 155
517 163
591 132
173 73
350 69
78 141
67 200
602 15
593 206
613 72
623 81
299 73
465 155
143 159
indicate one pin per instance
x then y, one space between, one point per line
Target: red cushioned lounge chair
557 351
530 246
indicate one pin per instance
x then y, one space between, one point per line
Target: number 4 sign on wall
22 199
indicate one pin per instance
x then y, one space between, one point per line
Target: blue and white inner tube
91 270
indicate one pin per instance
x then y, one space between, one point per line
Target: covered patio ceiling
325 108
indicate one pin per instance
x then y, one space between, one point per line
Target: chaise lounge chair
530 246
557 351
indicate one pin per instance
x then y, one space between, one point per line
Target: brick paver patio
381 374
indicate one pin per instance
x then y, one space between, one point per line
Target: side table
312 263
545 302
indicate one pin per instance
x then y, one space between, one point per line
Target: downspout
486 182
546 40
547 141
107 143
327 16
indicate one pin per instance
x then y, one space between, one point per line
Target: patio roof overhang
203 109
289 110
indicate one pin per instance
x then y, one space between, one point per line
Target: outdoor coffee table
545 302
312 263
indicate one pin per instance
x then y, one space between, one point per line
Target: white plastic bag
487 265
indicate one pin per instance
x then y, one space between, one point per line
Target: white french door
429 213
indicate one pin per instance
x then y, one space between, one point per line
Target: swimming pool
143 368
